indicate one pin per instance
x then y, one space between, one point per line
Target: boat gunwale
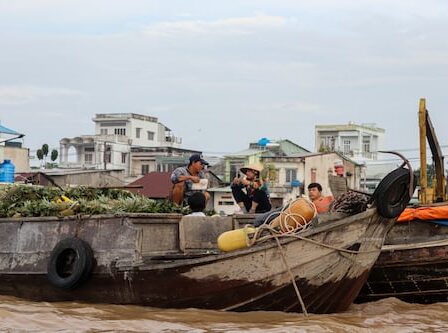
327 226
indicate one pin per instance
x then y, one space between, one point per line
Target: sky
221 74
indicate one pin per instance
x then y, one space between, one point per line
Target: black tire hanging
392 194
71 263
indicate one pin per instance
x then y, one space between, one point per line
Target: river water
389 315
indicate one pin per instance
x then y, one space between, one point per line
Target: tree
45 149
43 153
54 155
40 155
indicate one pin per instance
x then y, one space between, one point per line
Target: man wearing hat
183 179
248 191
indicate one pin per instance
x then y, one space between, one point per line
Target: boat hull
330 264
413 265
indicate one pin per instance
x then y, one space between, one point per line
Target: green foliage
45 149
26 201
40 154
54 155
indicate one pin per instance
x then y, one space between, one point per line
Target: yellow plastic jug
235 239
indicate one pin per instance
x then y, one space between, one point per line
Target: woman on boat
250 192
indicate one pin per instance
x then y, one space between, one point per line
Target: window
137 132
120 131
346 147
123 158
108 155
145 169
88 158
226 203
291 174
103 131
327 143
150 135
313 175
366 144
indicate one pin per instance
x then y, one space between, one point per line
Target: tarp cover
424 213
6 130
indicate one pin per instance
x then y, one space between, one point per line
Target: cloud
231 25
22 94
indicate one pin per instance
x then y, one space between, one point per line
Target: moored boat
170 261
413 265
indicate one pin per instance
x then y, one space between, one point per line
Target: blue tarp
440 222
6 130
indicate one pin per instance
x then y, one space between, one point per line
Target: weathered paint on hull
251 279
412 266
160 290
418 275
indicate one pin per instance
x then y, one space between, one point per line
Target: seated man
321 202
249 192
196 201
183 179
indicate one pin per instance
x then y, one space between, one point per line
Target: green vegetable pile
26 201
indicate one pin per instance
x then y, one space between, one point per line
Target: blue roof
6 130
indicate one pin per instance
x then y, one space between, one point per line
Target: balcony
173 139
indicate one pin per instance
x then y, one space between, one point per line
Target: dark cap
197 157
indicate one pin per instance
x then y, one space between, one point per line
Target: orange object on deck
424 213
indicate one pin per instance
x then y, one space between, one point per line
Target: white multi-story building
128 141
144 131
359 142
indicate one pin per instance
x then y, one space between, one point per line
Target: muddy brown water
389 315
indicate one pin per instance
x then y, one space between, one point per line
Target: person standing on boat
183 179
196 202
321 202
250 192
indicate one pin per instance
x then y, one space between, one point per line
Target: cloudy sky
223 73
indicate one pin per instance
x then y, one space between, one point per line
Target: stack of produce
26 201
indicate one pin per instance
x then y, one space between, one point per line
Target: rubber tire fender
80 255
392 194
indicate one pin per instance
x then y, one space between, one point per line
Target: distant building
281 170
137 144
289 169
11 149
154 185
67 177
256 152
143 131
361 144
358 142
319 166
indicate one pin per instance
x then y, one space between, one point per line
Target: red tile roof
156 185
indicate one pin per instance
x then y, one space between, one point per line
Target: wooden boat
170 261
413 265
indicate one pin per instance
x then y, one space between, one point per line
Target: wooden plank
196 232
